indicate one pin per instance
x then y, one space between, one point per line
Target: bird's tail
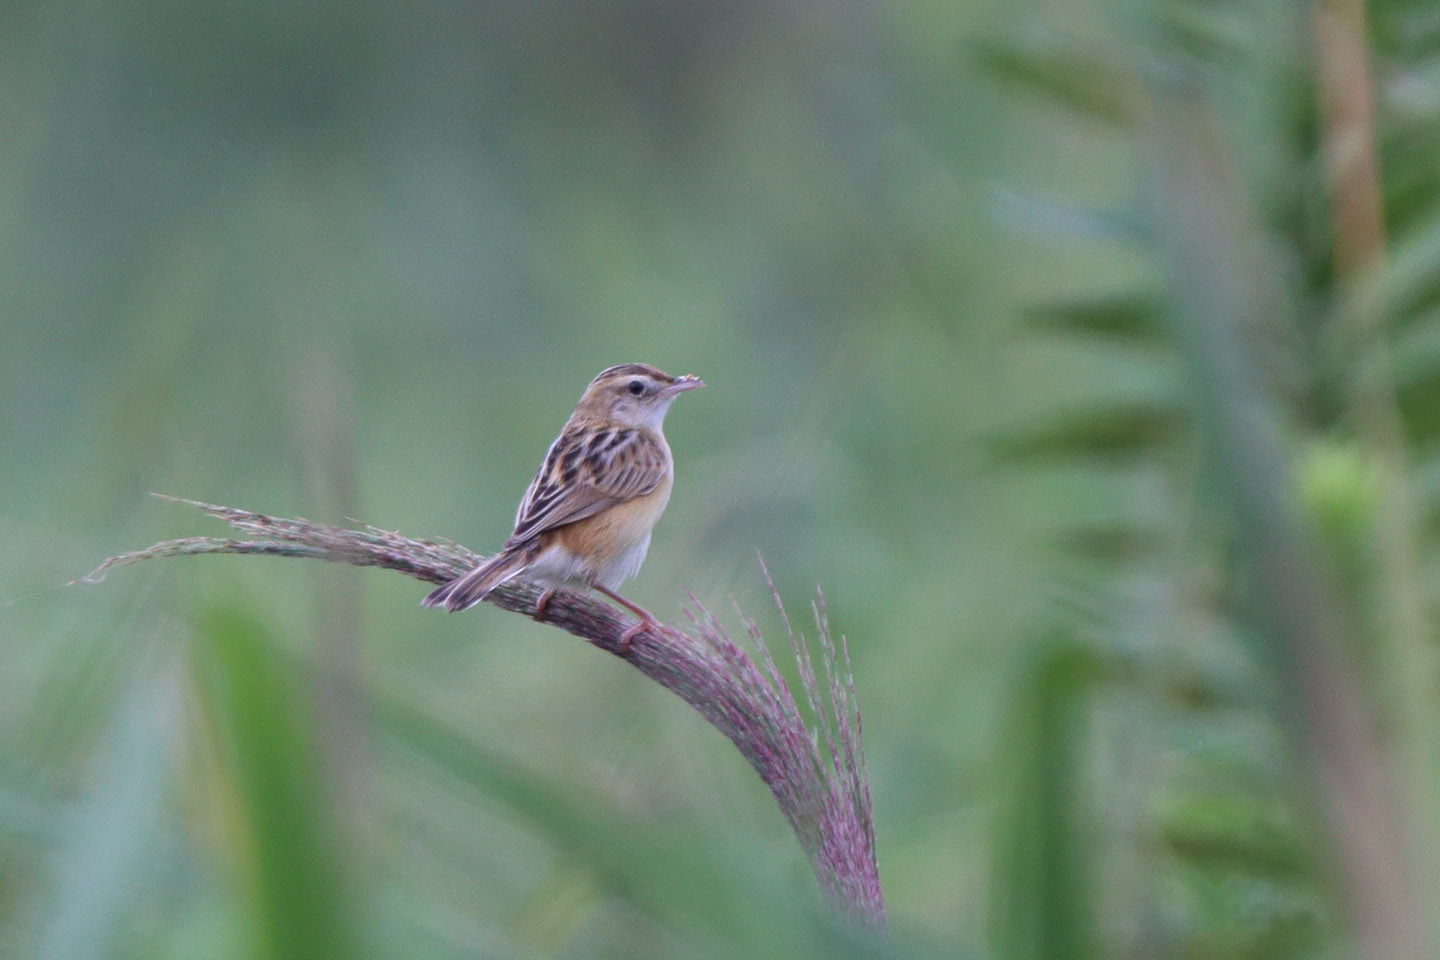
470 588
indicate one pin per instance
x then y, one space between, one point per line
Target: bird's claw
542 602
649 623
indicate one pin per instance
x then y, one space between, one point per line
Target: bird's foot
647 619
648 623
543 602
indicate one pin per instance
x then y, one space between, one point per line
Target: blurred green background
953 293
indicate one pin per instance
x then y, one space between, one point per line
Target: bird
585 520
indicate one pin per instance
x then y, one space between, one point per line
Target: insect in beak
681 384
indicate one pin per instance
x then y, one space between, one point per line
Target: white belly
558 567
624 566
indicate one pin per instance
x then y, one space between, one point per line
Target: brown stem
1347 97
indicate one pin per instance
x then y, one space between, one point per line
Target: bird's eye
636 387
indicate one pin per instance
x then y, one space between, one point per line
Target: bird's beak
682 383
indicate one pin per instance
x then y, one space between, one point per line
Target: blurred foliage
360 262
280 819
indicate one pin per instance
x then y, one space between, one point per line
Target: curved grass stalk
817 776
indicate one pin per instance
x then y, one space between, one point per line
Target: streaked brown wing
587 469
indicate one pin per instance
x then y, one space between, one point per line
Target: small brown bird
587 517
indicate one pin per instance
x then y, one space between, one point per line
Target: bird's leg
542 602
647 619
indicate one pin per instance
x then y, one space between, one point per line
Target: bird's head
633 394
